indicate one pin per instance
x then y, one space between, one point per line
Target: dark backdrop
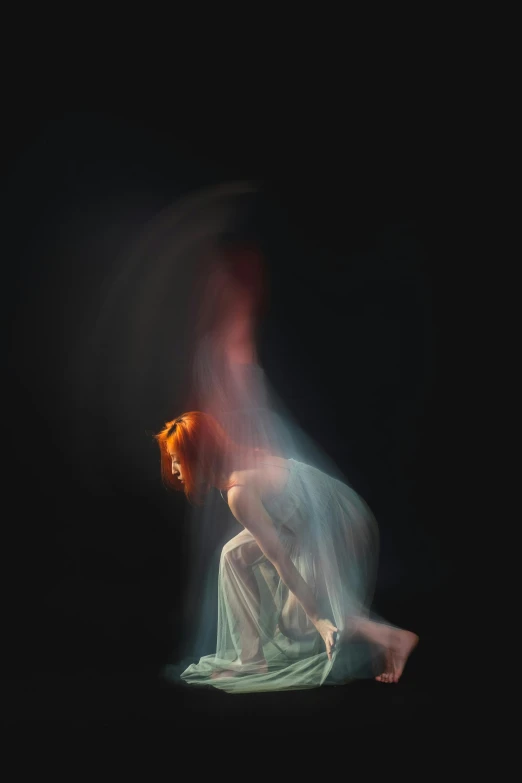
356 233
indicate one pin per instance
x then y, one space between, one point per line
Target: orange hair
204 450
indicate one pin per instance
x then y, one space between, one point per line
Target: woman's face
176 466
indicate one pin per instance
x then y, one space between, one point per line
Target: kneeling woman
295 585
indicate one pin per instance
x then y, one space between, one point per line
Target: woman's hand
328 632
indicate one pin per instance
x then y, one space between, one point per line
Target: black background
356 226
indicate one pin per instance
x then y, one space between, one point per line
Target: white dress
331 537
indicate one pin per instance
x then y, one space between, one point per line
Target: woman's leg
243 600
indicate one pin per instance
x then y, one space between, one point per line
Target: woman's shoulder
260 466
244 477
267 476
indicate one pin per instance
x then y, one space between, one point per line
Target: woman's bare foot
248 668
220 674
402 644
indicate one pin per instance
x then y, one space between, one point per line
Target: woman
285 582
295 585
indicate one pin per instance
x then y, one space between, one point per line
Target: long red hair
205 452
